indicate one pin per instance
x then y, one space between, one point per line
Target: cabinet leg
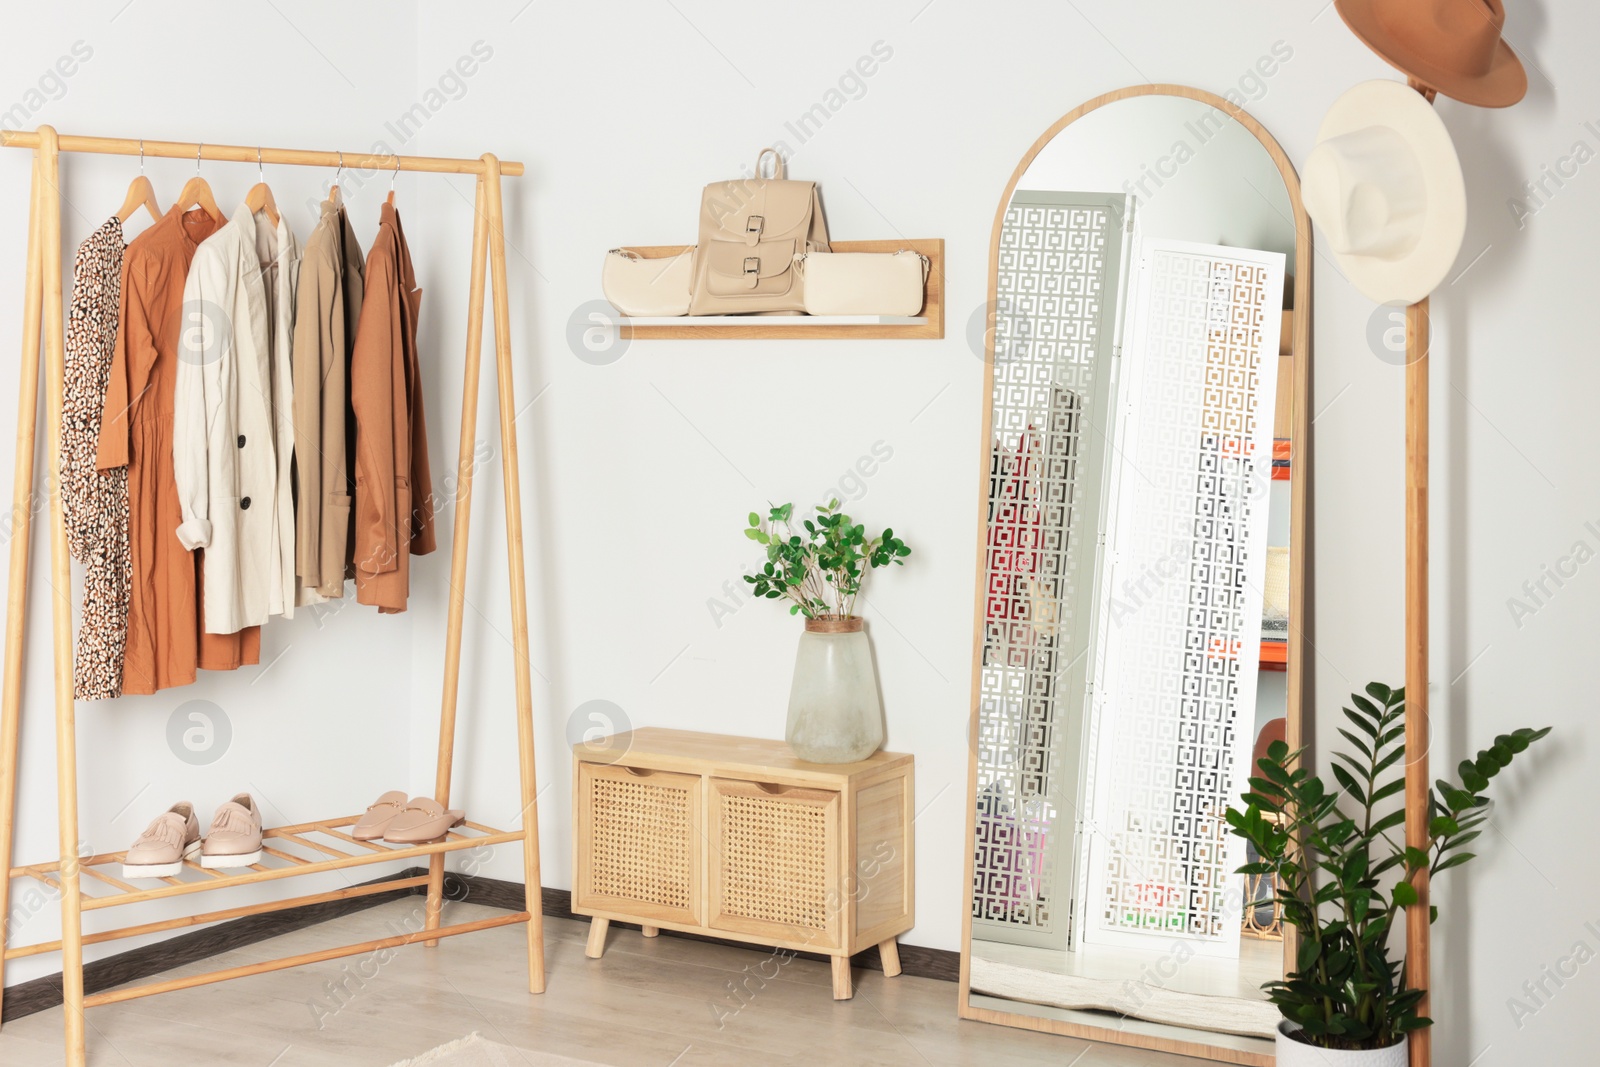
650 931
889 953
842 990
597 938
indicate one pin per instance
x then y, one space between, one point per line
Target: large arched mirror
1142 565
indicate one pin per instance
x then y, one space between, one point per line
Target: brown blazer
394 490
328 306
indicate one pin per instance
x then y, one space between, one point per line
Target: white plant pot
1292 1053
834 712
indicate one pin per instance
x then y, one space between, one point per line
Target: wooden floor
662 1001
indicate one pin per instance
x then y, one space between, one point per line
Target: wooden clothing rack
306 848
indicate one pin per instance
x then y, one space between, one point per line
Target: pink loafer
424 819
379 815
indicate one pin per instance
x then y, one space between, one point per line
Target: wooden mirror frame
1299 570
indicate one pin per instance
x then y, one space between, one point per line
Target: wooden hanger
140 194
333 190
197 192
260 198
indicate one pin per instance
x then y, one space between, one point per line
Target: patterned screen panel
1176 711
1057 305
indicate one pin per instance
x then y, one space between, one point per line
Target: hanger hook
396 173
201 147
340 170
261 174
141 155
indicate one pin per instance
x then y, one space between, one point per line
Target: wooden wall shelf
927 326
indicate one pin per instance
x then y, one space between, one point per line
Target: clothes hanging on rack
224 449
165 640
278 256
95 502
394 489
328 310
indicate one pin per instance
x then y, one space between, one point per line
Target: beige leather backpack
750 231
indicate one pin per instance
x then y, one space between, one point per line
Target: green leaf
1455 859
1366 705
1404 894
1348 782
1388 822
1355 742
1364 722
1388 790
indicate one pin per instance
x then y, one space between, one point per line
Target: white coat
231 408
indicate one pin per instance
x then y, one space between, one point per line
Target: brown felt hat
1452 46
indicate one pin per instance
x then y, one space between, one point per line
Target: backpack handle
777 163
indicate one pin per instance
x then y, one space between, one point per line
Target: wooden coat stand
306 848
1418 915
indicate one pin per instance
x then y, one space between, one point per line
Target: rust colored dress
166 641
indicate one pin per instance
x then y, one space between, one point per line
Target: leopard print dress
95 502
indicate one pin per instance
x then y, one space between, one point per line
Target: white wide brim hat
1385 185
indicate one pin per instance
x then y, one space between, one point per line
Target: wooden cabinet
738 838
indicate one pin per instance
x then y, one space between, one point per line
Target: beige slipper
379 816
424 819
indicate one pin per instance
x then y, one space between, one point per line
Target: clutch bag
863 283
647 288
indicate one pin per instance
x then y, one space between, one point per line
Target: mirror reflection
1135 587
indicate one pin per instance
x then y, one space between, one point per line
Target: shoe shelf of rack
929 325
94 883
288 851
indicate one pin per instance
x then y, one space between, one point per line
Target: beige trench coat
224 449
328 309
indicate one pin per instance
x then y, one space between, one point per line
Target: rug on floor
475 1050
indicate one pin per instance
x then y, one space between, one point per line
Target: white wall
638 472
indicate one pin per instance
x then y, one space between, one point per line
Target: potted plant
1342 879
835 715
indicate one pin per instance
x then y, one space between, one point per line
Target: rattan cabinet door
774 863
638 844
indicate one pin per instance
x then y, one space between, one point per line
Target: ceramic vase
835 715
1292 1053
